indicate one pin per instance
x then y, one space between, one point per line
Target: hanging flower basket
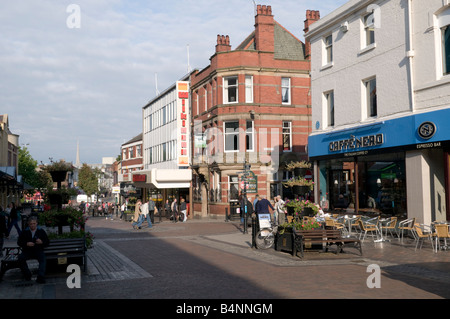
58 176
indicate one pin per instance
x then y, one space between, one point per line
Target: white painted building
380 101
166 145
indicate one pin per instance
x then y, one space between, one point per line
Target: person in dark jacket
262 206
3 229
33 240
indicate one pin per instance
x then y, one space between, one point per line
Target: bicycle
265 237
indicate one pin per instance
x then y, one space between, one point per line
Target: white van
86 199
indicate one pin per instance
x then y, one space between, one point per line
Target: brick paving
213 259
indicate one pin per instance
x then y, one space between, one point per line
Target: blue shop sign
418 131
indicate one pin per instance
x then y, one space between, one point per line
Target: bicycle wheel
264 239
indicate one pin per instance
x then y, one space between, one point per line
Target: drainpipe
410 54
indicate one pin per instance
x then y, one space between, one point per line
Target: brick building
250 105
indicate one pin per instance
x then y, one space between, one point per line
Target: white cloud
60 85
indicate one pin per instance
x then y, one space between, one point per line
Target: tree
87 180
27 167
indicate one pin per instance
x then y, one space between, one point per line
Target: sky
80 71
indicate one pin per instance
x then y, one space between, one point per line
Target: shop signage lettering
354 143
183 123
429 145
139 178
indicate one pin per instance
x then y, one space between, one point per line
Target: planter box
128 217
284 241
309 245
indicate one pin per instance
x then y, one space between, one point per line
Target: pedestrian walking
13 220
167 209
255 202
145 214
262 206
151 209
137 211
174 209
183 210
280 211
110 211
122 210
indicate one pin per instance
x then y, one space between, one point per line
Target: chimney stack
311 17
264 29
223 43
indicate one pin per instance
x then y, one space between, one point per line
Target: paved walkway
204 259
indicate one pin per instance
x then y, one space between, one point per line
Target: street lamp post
245 176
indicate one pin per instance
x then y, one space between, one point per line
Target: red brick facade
262 85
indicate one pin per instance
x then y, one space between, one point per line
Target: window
231 136
328 49
164 152
369 29
287 136
206 97
329 97
230 90
286 90
130 152
248 89
249 136
371 97
233 184
446 49
197 102
164 115
139 151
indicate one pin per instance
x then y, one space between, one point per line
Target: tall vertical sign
183 123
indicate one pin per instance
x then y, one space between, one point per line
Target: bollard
253 230
226 214
245 222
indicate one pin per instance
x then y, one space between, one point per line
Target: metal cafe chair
423 232
390 226
408 225
365 228
442 231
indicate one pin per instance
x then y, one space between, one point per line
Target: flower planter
300 190
284 241
300 171
58 176
308 211
307 244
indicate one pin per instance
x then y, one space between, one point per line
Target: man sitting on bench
33 240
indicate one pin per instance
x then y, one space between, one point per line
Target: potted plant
299 167
68 216
299 208
59 196
58 170
308 225
299 185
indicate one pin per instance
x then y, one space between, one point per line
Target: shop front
397 167
164 184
